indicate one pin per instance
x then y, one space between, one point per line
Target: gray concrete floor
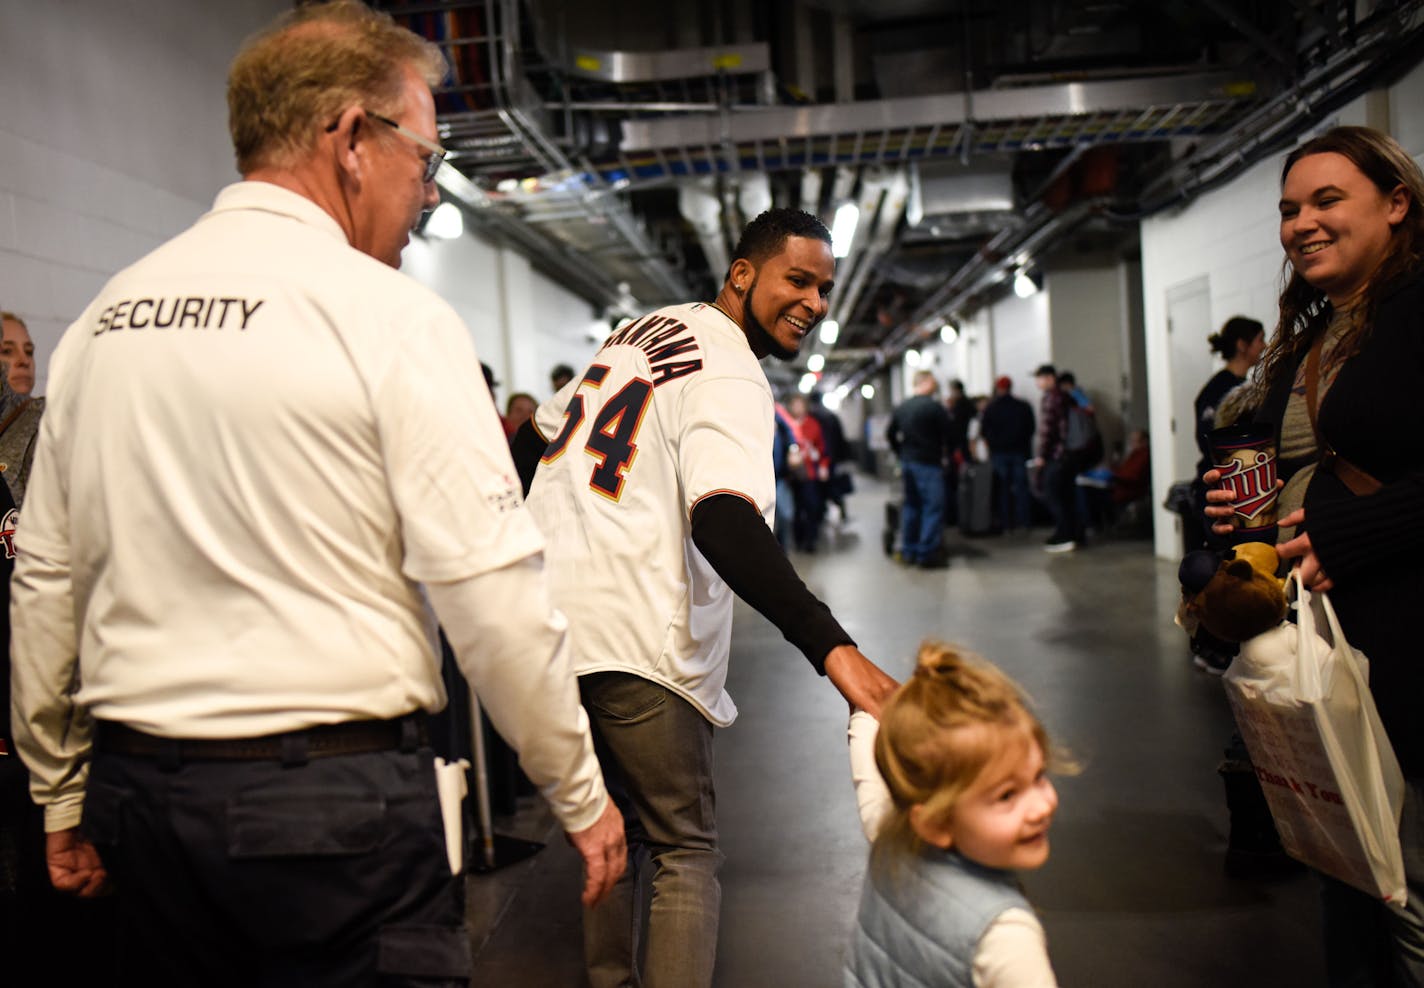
1134 893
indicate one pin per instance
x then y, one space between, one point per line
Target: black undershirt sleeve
527 447
732 536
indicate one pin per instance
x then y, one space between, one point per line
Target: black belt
293 747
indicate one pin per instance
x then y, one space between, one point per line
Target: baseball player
655 488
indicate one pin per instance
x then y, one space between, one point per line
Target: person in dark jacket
1059 490
836 482
1006 425
962 412
1339 384
919 434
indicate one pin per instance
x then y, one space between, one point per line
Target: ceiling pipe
1343 76
698 203
754 194
883 199
811 191
585 182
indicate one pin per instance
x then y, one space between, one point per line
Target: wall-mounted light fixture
445 223
1024 283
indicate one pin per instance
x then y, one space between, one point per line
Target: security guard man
260 445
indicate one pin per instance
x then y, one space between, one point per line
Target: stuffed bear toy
1235 595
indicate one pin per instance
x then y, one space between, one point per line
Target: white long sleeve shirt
259 444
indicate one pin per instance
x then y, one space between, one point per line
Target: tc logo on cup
1250 475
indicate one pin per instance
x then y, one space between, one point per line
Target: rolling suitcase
976 499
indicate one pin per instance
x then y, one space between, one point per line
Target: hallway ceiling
623 146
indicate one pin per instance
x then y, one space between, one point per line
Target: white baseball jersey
674 408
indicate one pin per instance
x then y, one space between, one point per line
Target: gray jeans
656 752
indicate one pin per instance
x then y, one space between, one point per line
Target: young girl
964 803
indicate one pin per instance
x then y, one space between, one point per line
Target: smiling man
229 540
655 488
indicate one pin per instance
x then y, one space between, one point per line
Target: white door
1192 364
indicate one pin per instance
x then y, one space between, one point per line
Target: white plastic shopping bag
1304 708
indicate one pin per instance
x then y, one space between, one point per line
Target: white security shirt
674 408
259 441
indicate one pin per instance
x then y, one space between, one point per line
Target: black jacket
1007 425
920 430
1372 547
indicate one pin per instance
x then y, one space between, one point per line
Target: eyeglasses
437 153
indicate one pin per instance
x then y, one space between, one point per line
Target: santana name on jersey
663 339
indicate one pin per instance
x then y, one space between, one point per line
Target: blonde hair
937 734
290 81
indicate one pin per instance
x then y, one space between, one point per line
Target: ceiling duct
491 116
945 188
669 64
698 203
1149 108
753 194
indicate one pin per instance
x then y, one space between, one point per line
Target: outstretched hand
864 684
605 854
74 864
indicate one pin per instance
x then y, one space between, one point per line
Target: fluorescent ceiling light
830 332
815 363
808 381
843 228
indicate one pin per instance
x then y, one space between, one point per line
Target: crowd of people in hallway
985 465
993 465
220 658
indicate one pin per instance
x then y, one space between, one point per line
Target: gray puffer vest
920 923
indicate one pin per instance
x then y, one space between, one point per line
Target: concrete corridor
1134 894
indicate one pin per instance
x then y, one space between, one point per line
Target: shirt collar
271 198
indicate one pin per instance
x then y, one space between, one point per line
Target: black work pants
327 872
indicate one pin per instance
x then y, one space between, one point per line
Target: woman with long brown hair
1341 384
